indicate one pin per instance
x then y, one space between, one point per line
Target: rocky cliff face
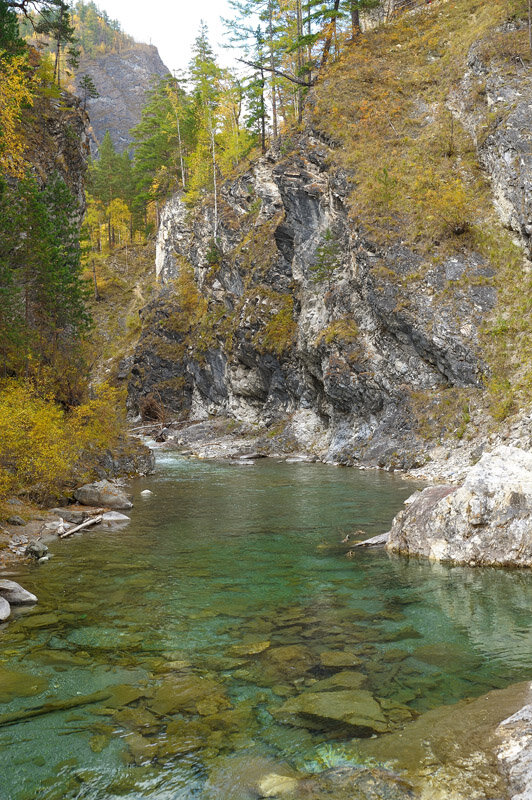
351 348
308 329
57 141
123 81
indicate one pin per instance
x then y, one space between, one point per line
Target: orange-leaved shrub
43 448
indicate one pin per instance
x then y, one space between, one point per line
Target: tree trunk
275 131
215 226
330 34
355 19
96 292
262 113
300 60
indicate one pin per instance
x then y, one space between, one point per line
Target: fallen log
86 524
375 541
51 708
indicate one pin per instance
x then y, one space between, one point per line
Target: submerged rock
352 711
19 684
112 518
15 594
189 694
487 521
250 776
356 783
341 680
339 659
103 493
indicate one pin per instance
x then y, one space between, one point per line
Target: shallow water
230 589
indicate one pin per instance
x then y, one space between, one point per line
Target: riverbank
225 438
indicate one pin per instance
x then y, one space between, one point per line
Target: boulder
113 518
15 594
15 520
353 711
486 521
102 493
515 752
5 609
72 515
36 550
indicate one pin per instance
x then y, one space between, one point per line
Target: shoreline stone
15 594
486 521
103 493
5 610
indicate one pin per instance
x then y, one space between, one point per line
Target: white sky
171 25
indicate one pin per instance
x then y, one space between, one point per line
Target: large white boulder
15 594
487 520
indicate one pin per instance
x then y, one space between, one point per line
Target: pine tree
43 311
88 90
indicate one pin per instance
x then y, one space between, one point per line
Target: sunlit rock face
335 355
123 81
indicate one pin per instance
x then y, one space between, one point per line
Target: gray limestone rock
36 550
515 752
485 521
74 516
103 493
5 610
15 594
123 81
342 384
15 520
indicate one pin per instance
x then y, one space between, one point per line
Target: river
228 596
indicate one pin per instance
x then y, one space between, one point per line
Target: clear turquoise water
223 555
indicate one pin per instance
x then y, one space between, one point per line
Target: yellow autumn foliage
15 92
44 449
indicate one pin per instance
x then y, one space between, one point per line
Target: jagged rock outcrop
123 81
57 142
334 338
503 148
337 358
486 521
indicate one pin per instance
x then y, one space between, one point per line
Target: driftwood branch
50 708
291 78
86 524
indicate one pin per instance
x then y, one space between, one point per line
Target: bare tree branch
291 78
